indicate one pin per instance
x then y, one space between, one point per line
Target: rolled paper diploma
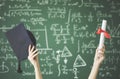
102 37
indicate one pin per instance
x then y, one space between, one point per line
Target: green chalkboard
65 31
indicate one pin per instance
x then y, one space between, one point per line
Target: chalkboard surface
65 31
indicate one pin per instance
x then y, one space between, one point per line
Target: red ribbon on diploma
106 34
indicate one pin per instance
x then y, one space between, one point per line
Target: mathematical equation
65 31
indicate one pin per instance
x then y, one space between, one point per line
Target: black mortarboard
19 39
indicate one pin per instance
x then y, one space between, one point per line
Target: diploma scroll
102 37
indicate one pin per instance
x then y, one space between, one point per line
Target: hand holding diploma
103 34
99 55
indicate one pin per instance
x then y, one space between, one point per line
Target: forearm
38 74
94 71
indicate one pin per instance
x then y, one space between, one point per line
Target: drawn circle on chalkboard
74 69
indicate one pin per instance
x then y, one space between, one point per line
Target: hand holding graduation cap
20 38
33 55
33 58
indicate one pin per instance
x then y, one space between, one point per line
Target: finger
34 52
32 48
101 54
29 49
103 47
100 50
35 55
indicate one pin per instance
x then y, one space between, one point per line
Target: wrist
96 64
36 65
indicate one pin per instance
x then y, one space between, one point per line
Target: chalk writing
4 68
65 32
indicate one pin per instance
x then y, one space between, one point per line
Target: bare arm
33 58
99 57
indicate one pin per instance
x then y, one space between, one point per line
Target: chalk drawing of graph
42 42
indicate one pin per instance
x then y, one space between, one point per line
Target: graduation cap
20 38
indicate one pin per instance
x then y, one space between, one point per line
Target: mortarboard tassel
19 67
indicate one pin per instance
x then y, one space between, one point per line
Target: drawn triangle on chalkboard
79 62
66 52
